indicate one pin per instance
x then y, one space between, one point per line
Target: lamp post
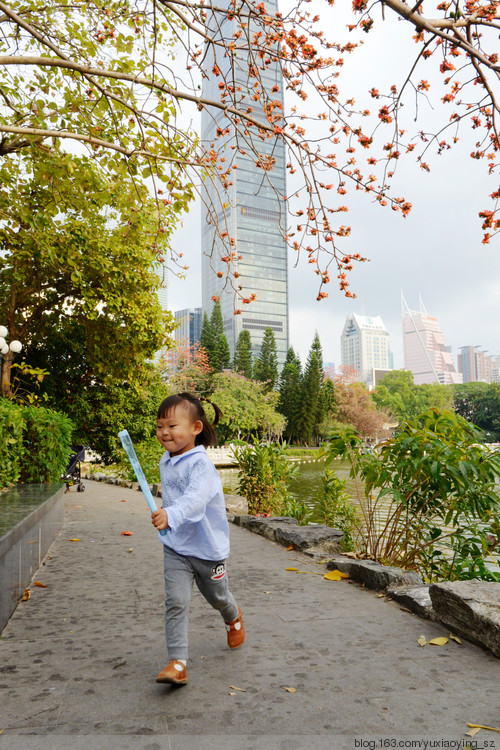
7 352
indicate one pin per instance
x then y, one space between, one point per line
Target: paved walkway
79 658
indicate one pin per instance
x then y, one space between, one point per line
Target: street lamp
6 348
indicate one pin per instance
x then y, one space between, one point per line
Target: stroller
73 475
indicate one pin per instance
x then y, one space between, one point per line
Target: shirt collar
174 459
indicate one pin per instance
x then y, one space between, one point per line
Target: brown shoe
235 631
174 672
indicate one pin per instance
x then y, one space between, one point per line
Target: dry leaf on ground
39 583
127 533
26 595
422 641
454 638
74 540
335 575
295 569
291 690
473 732
438 641
290 547
240 690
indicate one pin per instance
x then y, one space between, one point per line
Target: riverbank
325 663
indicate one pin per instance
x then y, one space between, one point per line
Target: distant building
425 352
253 210
161 293
189 321
477 366
365 347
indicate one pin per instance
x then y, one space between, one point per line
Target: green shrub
264 475
334 508
429 496
11 440
47 445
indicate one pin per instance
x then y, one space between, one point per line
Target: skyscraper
189 325
365 346
425 352
252 210
475 365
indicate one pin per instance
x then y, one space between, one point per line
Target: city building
252 210
425 352
189 325
161 292
365 347
477 366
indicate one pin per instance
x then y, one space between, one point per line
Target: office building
365 347
188 325
477 366
252 210
425 352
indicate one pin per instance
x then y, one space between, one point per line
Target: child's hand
159 519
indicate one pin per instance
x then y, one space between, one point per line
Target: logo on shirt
218 572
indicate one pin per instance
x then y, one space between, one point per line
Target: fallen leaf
296 569
454 638
290 690
39 583
240 690
473 732
335 575
422 641
121 664
268 592
380 596
131 549
438 641
74 540
124 501
233 693
290 547
127 533
480 726
26 595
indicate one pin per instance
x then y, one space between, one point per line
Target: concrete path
79 658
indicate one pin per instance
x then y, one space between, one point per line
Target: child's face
177 432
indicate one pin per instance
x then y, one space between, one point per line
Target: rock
305 537
236 504
415 598
470 609
373 574
287 531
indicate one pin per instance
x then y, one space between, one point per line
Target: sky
436 253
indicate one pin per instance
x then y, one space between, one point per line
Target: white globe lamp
15 346
3 332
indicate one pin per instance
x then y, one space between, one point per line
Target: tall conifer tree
242 361
289 401
266 365
220 355
311 407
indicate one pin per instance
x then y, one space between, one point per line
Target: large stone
373 574
287 531
415 598
236 504
471 609
305 537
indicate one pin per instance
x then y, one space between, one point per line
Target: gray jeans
211 579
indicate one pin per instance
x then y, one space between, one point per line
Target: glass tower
252 210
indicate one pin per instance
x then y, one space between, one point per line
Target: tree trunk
7 360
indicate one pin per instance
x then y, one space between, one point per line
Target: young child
196 544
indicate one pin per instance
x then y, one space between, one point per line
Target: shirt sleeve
191 505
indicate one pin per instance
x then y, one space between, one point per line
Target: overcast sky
436 252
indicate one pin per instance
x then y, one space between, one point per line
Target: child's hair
193 406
